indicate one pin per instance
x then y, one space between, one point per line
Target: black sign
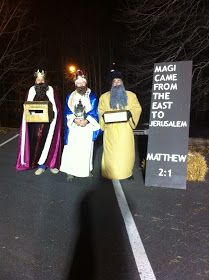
166 163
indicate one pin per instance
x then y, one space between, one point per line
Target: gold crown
39 74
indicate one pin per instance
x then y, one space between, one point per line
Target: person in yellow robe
118 141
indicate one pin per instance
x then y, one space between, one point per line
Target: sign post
166 162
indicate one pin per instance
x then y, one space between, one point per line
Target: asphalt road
51 229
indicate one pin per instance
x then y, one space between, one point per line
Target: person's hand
83 122
77 121
129 115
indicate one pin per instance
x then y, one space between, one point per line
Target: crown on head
80 77
39 74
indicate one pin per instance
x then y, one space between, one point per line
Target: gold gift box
38 111
116 116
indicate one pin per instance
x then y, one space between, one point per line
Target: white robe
78 153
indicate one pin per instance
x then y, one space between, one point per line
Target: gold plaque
116 116
38 111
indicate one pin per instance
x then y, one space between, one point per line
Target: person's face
117 82
39 80
80 84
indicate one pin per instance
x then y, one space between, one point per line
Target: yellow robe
118 141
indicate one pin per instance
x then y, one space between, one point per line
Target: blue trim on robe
93 113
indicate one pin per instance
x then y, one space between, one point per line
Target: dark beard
118 97
41 90
81 90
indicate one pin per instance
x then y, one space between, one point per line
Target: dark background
94 34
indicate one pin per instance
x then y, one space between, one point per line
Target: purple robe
54 153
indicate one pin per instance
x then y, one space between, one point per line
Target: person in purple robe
39 144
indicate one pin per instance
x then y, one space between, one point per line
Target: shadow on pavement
100 250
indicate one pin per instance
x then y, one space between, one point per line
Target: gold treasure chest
38 111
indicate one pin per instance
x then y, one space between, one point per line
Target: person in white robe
81 130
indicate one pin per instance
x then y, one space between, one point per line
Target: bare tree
167 30
16 46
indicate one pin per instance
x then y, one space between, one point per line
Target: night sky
71 31
59 33
87 34
74 15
